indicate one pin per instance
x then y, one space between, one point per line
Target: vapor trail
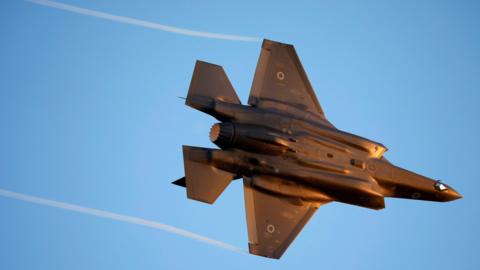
118 217
142 23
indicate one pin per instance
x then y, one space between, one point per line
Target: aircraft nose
451 195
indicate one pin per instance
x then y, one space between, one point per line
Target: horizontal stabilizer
204 182
209 83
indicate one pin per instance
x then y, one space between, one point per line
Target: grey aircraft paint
291 158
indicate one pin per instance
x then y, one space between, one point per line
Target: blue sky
89 115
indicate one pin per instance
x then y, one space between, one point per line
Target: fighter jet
291 158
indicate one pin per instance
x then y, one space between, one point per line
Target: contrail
118 217
152 25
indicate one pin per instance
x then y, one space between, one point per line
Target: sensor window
440 186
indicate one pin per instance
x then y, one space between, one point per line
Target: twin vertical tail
203 181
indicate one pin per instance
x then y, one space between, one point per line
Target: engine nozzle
222 134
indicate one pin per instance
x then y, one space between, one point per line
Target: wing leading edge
273 222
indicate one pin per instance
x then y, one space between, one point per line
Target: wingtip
255 249
267 44
201 62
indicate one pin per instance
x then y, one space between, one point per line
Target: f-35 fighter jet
291 158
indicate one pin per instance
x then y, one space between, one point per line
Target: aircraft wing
280 80
273 222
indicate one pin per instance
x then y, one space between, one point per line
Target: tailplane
203 181
209 83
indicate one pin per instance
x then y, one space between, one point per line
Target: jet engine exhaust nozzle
222 134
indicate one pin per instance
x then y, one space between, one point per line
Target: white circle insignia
280 75
270 228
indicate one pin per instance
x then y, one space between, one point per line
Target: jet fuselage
291 158
320 162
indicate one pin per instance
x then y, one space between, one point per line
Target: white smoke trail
142 23
118 217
